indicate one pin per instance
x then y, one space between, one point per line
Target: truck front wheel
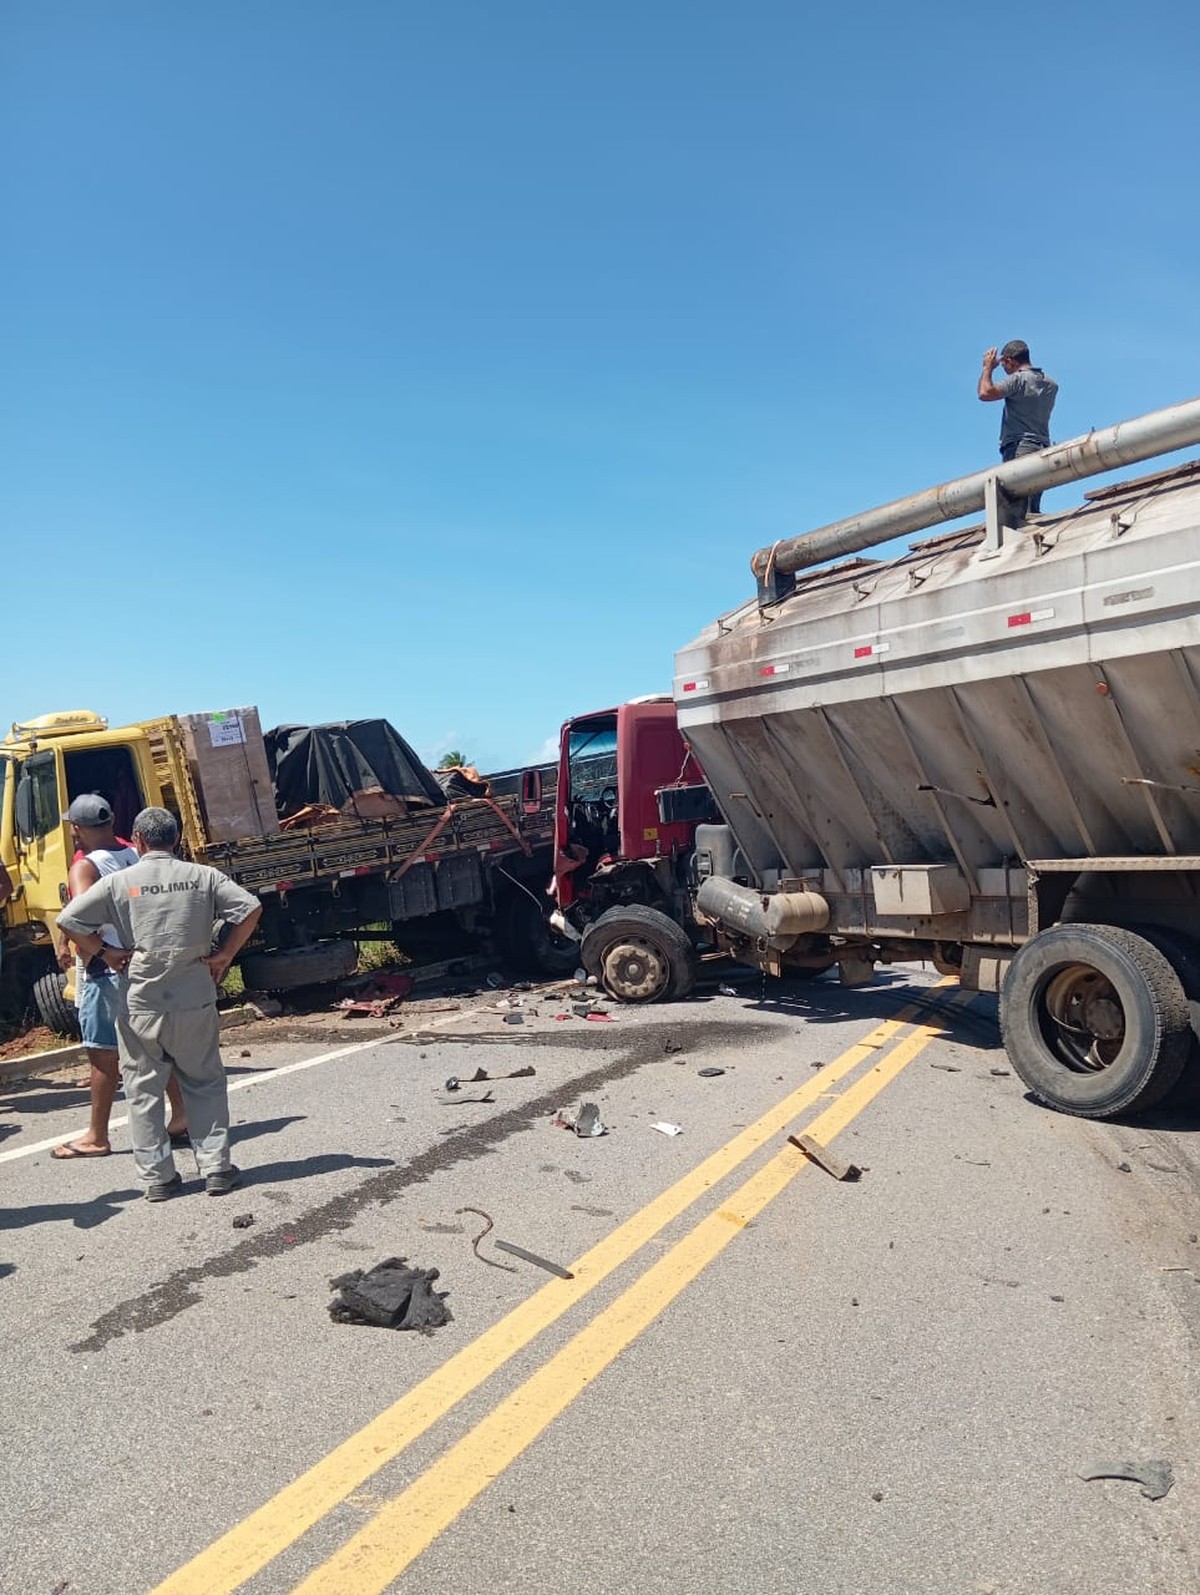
55 1012
639 955
1095 1020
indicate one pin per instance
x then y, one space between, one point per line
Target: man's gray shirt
165 910
1029 396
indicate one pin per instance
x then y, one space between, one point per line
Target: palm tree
454 760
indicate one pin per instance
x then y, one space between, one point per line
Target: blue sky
448 363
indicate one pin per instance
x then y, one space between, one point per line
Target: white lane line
234 1085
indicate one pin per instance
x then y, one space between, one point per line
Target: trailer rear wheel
1183 955
300 966
639 955
1095 1020
529 941
55 1012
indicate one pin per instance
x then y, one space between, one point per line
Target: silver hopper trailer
984 752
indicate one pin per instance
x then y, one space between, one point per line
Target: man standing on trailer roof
1028 395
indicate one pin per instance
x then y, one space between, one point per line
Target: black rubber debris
390 1296
243 1221
709 1074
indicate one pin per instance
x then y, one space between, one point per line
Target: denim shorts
101 1004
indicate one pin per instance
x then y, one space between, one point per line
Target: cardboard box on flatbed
228 761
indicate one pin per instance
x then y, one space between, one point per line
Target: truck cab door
40 834
12 913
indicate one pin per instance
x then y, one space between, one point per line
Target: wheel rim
635 970
1082 1018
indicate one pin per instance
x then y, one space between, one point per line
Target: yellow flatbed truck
476 866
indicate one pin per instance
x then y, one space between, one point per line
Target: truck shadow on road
970 1023
1179 1113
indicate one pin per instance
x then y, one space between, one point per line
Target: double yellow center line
402 1529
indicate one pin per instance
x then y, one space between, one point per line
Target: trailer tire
639 955
55 1012
1183 954
1094 1020
529 942
300 966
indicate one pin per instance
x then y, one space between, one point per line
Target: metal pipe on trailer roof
1159 432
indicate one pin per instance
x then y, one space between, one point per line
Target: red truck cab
630 795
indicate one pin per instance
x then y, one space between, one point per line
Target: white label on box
226 730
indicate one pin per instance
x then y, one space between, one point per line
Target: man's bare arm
82 874
987 389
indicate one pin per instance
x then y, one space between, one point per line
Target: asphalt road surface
759 1378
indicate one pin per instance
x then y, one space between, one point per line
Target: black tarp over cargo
329 763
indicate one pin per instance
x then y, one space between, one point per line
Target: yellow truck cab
44 764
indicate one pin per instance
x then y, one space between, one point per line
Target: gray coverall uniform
166 911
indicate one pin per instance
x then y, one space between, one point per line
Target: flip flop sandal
69 1150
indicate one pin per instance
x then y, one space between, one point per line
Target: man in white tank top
99 993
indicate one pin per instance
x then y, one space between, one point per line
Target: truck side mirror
23 809
531 791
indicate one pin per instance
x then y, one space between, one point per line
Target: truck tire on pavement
529 942
301 966
56 1012
1183 955
639 955
1095 1020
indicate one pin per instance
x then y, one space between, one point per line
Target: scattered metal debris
1155 1477
514 1019
378 996
488 1227
946 1068
826 1159
532 1257
453 1099
1001 1074
664 1128
481 1075
588 1123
